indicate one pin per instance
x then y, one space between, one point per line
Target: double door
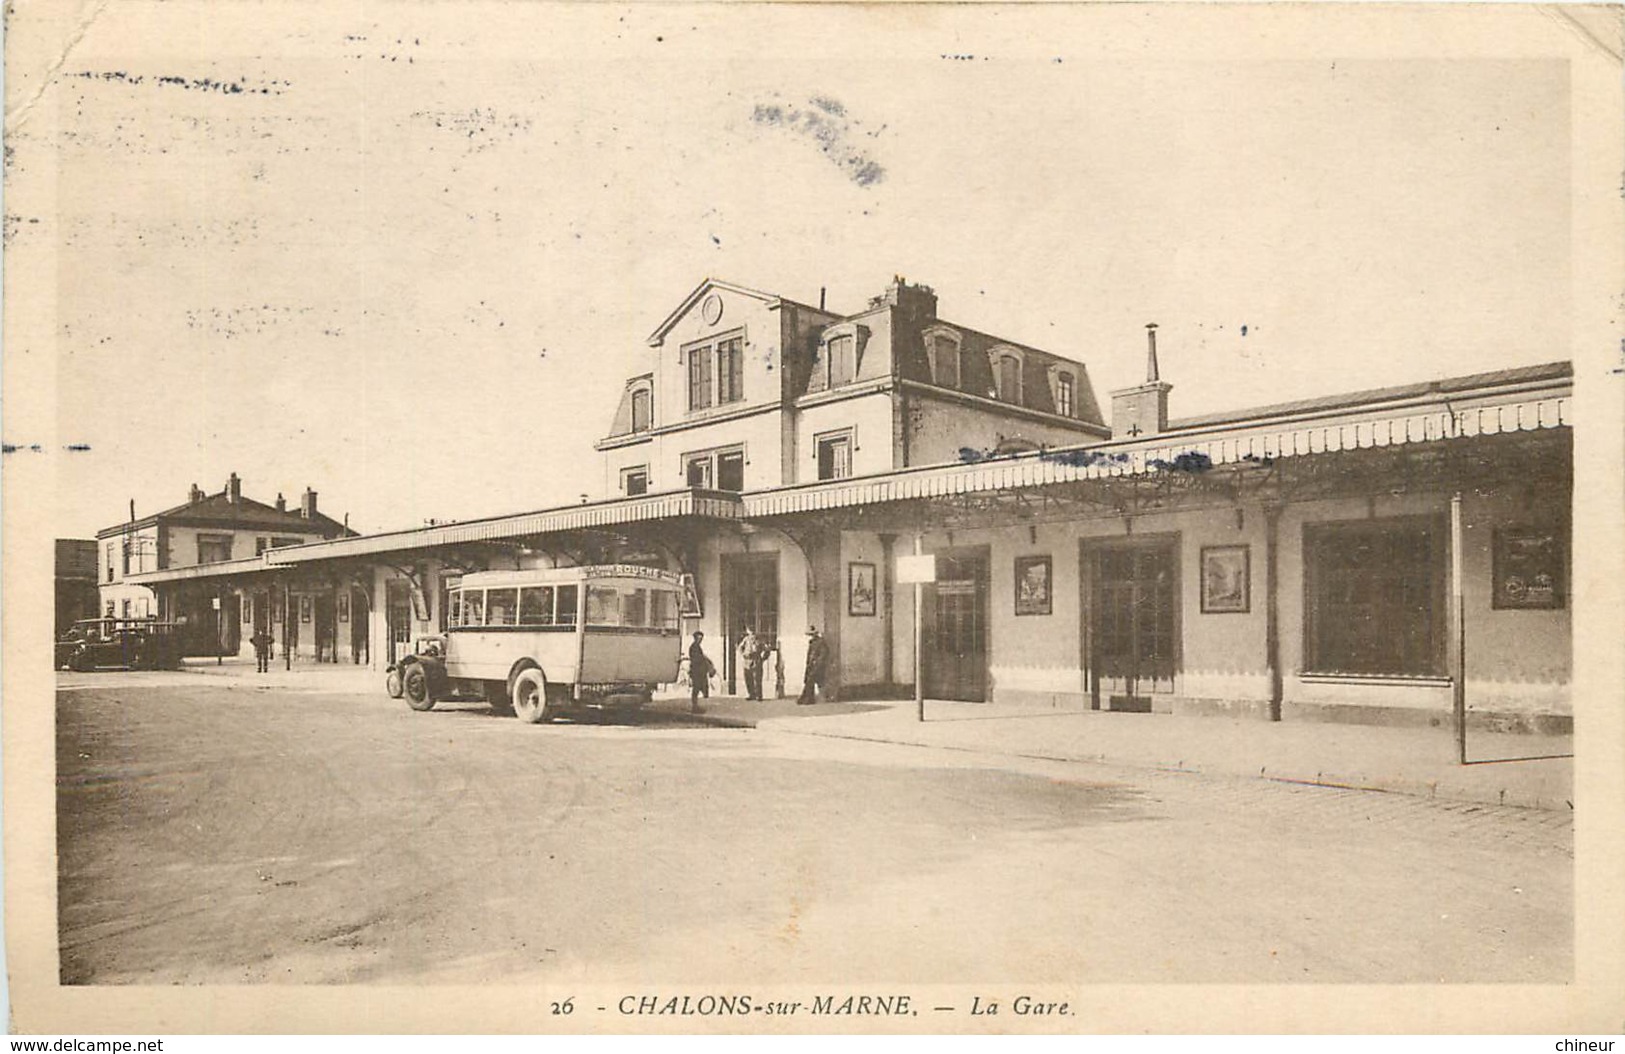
1134 623
954 658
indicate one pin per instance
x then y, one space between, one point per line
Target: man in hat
699 674
262 649
751 655
817 667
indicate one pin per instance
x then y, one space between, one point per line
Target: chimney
920 301
234 489
307 504
281 502
1143 409
194 495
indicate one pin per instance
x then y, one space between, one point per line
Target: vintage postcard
921 518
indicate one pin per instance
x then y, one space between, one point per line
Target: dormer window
842 361
1006 362
1065 395
642 402
942 349
839 358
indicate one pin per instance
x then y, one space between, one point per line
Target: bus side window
456 607
568 598
474 607
536 606
501 605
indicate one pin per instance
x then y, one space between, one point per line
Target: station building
1377 556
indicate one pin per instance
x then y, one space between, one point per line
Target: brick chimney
194 495
919 301
307 504
281 502
1143 409
234 489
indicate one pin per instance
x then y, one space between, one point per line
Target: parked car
119 643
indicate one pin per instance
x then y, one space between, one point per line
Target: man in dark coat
817 667
262 648
699 674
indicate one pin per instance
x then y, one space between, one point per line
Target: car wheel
415 685
530 696
392 683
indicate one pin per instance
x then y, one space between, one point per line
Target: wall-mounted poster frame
1527 568
1035 585
1226 579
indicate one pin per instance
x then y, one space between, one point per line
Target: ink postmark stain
825 122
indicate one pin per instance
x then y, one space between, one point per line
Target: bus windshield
631 605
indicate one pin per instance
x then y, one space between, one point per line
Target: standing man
751 655
262 648
817 668
699 674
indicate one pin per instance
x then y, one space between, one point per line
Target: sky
408 256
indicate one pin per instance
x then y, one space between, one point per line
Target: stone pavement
1412 761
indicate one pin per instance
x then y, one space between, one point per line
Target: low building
210 532
1385 555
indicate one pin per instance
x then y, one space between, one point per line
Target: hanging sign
921 568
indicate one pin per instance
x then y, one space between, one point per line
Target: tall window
1065 398
1009 378
1374 591
730 370
640 410
699 378
842 361
944 355
731 470
112 547
835 457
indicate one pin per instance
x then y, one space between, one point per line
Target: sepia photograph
916 518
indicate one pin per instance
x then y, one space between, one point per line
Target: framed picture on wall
860 589
344 605
1034 585
1528 569
1226 575
304 608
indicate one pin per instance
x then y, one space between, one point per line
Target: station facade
1380 556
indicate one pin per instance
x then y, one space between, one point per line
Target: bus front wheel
530 696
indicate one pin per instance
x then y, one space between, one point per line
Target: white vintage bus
544 642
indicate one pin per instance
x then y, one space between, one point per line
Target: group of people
752 654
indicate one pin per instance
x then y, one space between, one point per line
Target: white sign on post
920 568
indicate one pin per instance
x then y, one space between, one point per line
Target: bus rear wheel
415 683
530 696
